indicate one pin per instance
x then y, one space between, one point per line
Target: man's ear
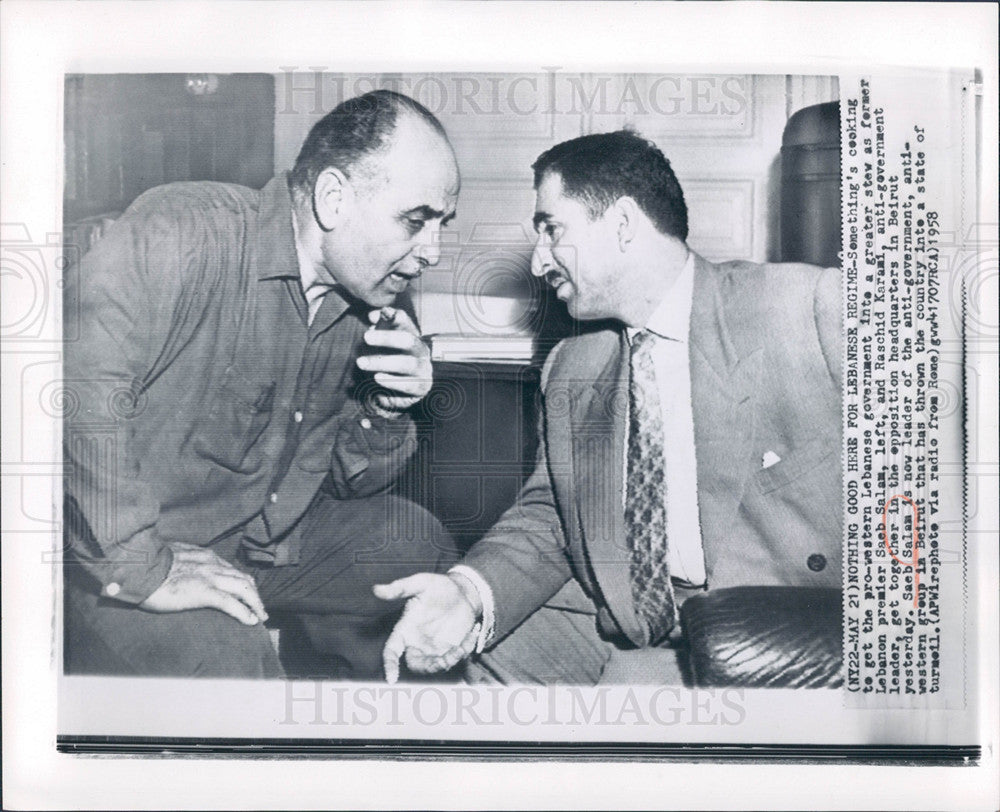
626 212
331 194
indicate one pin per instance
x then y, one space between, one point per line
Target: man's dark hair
354 130
599 169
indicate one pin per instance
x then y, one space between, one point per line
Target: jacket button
816 562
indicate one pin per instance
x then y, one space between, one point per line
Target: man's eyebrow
427 212
540 217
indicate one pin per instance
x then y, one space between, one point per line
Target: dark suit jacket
765 353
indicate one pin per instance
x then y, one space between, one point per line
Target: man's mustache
555 277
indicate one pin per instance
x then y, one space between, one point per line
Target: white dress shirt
670 322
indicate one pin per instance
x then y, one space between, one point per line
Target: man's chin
373 299
580 312
382 299
385 292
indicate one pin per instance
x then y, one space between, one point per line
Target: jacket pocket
239 413
796 465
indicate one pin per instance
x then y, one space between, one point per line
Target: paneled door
126 133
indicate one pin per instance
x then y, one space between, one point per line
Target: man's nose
541 259
428 250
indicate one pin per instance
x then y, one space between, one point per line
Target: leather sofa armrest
765 637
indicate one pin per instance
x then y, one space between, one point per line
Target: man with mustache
237 416
688 443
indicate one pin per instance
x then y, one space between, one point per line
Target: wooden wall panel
126 133
720 217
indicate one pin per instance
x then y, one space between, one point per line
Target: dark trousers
560 644
337 627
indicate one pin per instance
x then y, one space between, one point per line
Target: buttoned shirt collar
277 254
313 288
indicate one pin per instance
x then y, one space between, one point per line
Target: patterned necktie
645 495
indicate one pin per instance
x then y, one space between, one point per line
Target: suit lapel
725 376
724 381
599 425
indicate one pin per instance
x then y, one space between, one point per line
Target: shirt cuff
378 433
373 409
133 575
486 598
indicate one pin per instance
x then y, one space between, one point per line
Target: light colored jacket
766 369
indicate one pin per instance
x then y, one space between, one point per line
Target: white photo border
42 42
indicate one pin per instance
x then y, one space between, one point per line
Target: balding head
376 182
353 135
